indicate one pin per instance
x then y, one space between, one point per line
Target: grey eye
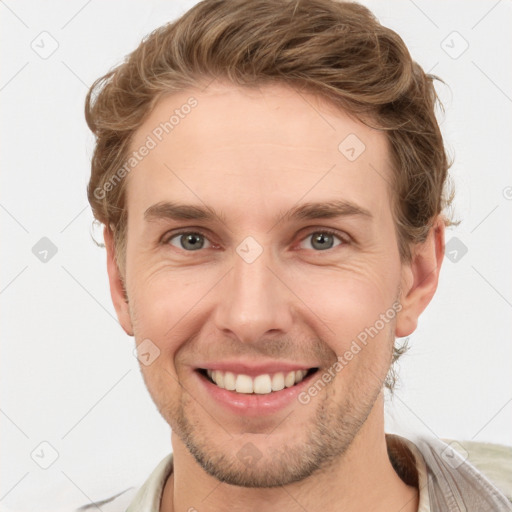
322 240
188 241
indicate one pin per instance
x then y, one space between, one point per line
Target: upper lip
252 368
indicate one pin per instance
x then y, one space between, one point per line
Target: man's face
253 291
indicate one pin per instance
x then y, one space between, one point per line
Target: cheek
347 299
163 293
356 309
166 301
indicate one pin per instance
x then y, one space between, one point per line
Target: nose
254 300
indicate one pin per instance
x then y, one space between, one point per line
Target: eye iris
321 238
194 240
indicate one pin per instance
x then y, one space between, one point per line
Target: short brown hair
337 50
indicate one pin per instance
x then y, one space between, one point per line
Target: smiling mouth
259 385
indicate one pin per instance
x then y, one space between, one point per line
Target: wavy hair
335 49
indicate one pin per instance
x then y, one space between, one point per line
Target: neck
362 479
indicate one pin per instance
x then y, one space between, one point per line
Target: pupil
321 238
193 241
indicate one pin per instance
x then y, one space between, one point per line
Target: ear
420 278
117 290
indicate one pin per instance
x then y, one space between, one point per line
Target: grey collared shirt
446 479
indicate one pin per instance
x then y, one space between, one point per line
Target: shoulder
493 460
468 470
143 497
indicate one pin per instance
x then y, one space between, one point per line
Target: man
271 177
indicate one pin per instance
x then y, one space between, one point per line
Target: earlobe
420 279
117 289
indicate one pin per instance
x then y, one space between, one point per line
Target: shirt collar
404 455
407 459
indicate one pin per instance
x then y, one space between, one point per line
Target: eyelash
345 239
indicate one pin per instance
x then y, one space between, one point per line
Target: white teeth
262 384
229 381
289 380
218 378
244 384
277 382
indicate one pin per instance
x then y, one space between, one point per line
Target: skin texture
252 155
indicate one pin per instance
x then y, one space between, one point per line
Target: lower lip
246 404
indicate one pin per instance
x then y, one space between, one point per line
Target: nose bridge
252 300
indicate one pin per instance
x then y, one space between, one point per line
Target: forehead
250 150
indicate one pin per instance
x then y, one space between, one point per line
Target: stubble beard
324 439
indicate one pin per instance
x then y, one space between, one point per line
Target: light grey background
69 377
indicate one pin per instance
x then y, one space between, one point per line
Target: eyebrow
307 211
